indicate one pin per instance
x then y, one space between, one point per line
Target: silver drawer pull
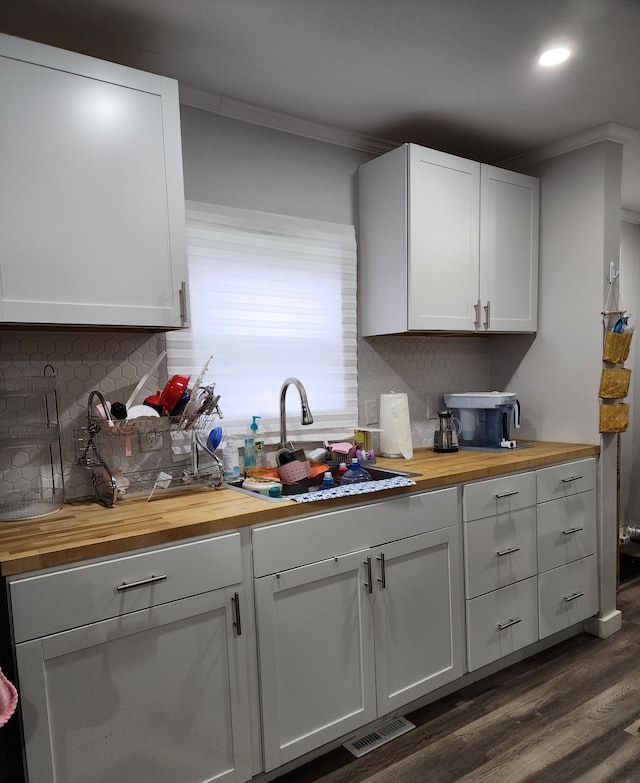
571 478
150 581
573 597
237 624
511 621
508 494
509 551
572 530
369 584
383 573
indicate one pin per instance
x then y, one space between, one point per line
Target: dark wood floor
571 713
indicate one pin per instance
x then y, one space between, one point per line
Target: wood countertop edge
85 530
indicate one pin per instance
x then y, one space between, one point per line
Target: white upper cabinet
92 226
446 244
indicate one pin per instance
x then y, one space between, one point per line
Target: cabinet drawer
560 481
566 529
567 595
48 603
495 496
301 541
501 622
499 550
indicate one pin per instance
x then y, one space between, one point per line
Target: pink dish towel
8 699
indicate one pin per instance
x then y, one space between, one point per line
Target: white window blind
271 297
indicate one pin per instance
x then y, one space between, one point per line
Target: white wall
557 374
241 165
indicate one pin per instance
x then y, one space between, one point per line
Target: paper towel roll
395 438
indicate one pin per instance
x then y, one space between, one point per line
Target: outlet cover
150 441
370 412
433 406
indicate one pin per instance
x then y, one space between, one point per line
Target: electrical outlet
150 441
433 406
370 412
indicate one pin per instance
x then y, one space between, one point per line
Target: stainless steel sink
307 485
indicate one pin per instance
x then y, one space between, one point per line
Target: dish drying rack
130 470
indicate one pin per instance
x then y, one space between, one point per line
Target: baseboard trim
603 627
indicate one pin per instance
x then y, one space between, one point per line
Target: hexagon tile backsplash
420 367
113 363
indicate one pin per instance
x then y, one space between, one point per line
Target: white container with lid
479 399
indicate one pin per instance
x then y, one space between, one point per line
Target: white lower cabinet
152 695
530 557
567 545
357 635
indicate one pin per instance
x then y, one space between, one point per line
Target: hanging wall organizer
615 378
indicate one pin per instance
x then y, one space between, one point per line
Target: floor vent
385 733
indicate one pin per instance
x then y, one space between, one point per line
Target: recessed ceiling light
554 56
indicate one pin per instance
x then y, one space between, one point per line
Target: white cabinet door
418 616
443 240
154 696
509 216
315 655
92 226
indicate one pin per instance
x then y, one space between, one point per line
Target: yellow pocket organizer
614 418
616 346
614 383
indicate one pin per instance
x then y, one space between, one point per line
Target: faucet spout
306 417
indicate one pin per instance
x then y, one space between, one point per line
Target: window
271 297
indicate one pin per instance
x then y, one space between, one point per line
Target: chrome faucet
307 418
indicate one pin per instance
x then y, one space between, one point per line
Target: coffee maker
486 418
445 438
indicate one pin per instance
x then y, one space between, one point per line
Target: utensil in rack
144 379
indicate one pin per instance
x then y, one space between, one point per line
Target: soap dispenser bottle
250 446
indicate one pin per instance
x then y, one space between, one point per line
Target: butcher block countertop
85 529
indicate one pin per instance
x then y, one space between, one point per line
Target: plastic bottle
342 469
327 481
250 446
355 474
230 461
261 455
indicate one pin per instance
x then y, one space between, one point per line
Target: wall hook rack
613 273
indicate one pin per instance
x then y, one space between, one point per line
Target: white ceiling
457 75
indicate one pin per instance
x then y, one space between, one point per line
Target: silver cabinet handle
236 608
573 596
476 307
184 321
511 621
369 584
487 314
570 479
572 530
509 551
507 494
383 574
130 585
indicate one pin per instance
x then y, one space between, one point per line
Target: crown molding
235 109
287 123
610 131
